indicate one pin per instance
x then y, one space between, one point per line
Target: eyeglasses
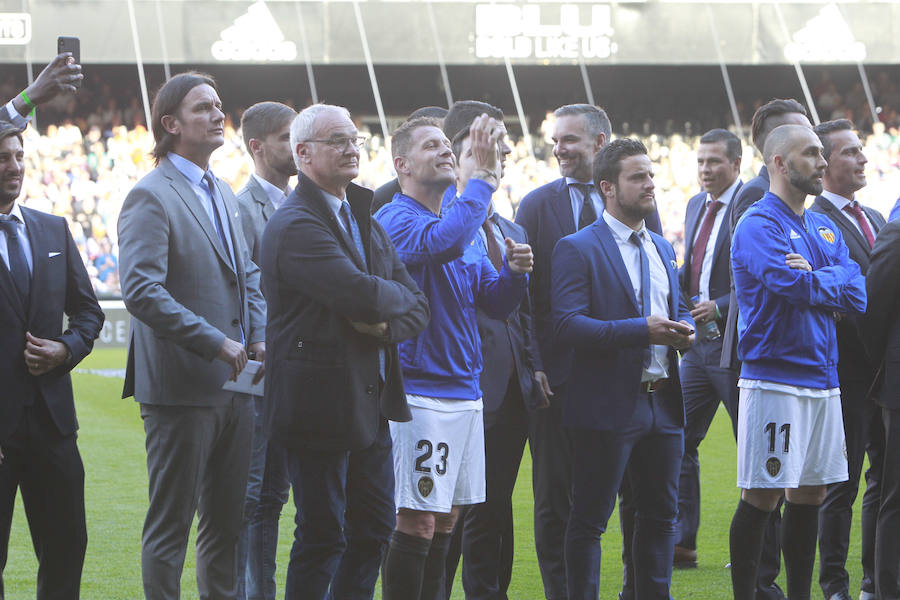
342 143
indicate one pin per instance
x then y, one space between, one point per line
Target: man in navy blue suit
547 214
616 302
705 276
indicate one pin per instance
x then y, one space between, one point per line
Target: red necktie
699 249
493 246
854 209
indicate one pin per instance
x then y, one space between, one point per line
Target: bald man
793 279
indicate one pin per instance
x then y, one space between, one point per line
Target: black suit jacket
881 323
508 344
546 215
59 285
720 277
853 360
323 389
749 193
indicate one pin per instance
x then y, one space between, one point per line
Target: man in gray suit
266 128
188 281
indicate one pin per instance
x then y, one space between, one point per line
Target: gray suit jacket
256 208
179 285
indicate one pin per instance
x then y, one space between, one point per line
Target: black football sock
404 563
433 581
799 527
748 528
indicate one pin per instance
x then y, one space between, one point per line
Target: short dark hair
823 130
401 139
733 148
7 129
436 112
761 125
263 119
462 113
458 139
608 161
596 118
166 102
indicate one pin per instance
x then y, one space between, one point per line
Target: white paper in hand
244 383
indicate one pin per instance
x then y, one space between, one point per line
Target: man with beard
439 455
616 302
863 429
792 275
41 278
266 128
548 214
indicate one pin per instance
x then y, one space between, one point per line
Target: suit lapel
313 195
183 188
848 229
614 256
724 232
40 249
693 221
671 274
7 287
259 195
562 209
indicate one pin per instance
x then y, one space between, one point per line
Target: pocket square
52 254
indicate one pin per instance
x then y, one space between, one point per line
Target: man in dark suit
188 281
766 118
547 214
844 176
510 390
881 332
339 301
41 278
616 302
705 276
385 193
266 128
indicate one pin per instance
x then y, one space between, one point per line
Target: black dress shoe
684 558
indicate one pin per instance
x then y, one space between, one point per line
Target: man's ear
599 142
170 124
401 165
303 152
607 188
780 164
255 145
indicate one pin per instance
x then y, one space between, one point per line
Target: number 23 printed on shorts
432 458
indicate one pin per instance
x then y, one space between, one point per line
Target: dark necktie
645 287
854 209
588 214
699 249
353 229
217 219
18 265
493 247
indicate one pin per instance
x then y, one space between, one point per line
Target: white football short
789 436
439 455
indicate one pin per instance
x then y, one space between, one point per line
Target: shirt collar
272 192
726 196
621 230
15 211
838 201
573 181
190 170
334 203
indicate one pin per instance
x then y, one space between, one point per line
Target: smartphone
65 43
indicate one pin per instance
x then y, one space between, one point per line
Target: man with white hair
339 301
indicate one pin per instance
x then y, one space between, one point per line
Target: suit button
299 345
235 322
370 389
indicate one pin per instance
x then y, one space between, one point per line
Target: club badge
425 485
773 467
827 234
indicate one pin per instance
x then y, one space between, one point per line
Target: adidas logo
825 38
254 36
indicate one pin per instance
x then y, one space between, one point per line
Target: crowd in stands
82 168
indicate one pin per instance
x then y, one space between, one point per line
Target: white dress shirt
274 194
706 268
14 117
24 242
659 286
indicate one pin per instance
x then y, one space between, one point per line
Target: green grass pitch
112 446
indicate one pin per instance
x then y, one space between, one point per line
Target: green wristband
28 102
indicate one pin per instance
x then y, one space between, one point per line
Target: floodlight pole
162 41
371 69
519 110
799 70
588 92
140 62
440 54
309 70
735 114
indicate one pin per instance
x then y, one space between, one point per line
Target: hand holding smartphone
65 43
